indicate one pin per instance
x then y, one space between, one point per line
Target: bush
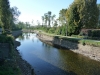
94 33
7 39
51 30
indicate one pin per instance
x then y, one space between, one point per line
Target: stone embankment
16 33
25 67
86 50
22 64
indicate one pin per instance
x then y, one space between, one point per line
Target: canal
49 60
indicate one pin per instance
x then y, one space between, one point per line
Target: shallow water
48 60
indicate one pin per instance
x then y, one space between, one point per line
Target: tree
81 14
46 18
55 23
89 15
62 16
52 18
14 16
15 13
98 5
43 20
49 18
5 15
63 30
73 20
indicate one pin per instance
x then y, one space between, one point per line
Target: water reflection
48 60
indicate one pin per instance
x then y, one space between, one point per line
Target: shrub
7 39
94 33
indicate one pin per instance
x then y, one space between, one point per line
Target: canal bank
10 60
50 60
24 66
86 50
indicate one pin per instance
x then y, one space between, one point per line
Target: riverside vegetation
11 62
89 48
67 26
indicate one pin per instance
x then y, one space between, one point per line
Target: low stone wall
28 31
16 33
86 50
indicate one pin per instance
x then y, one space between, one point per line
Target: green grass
90 42
9 68
6 39
76 39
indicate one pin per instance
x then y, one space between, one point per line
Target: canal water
48 60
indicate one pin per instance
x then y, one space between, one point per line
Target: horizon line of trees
80 14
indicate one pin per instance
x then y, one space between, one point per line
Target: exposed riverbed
48 60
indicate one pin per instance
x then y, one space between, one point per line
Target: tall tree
82 13
15 13
5 15
62 16
43 20
52 18
98 5
49 18
89 17
14 16
46 18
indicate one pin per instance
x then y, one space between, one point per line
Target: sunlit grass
77 39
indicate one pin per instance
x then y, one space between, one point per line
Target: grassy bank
8 65
74 39
11 62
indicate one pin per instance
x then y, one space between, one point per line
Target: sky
34 9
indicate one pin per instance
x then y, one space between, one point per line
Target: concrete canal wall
86 50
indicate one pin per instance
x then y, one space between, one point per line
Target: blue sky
34 9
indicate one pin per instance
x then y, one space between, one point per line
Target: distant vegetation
81 14
84 14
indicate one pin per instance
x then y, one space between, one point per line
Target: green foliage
51 30
98 5
9 67
8 16
58 31
90 42
14 17
77 16
77 36
52 18
55 24
75 40
94 33
4 14
49 18
62 16
63 30
7 39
